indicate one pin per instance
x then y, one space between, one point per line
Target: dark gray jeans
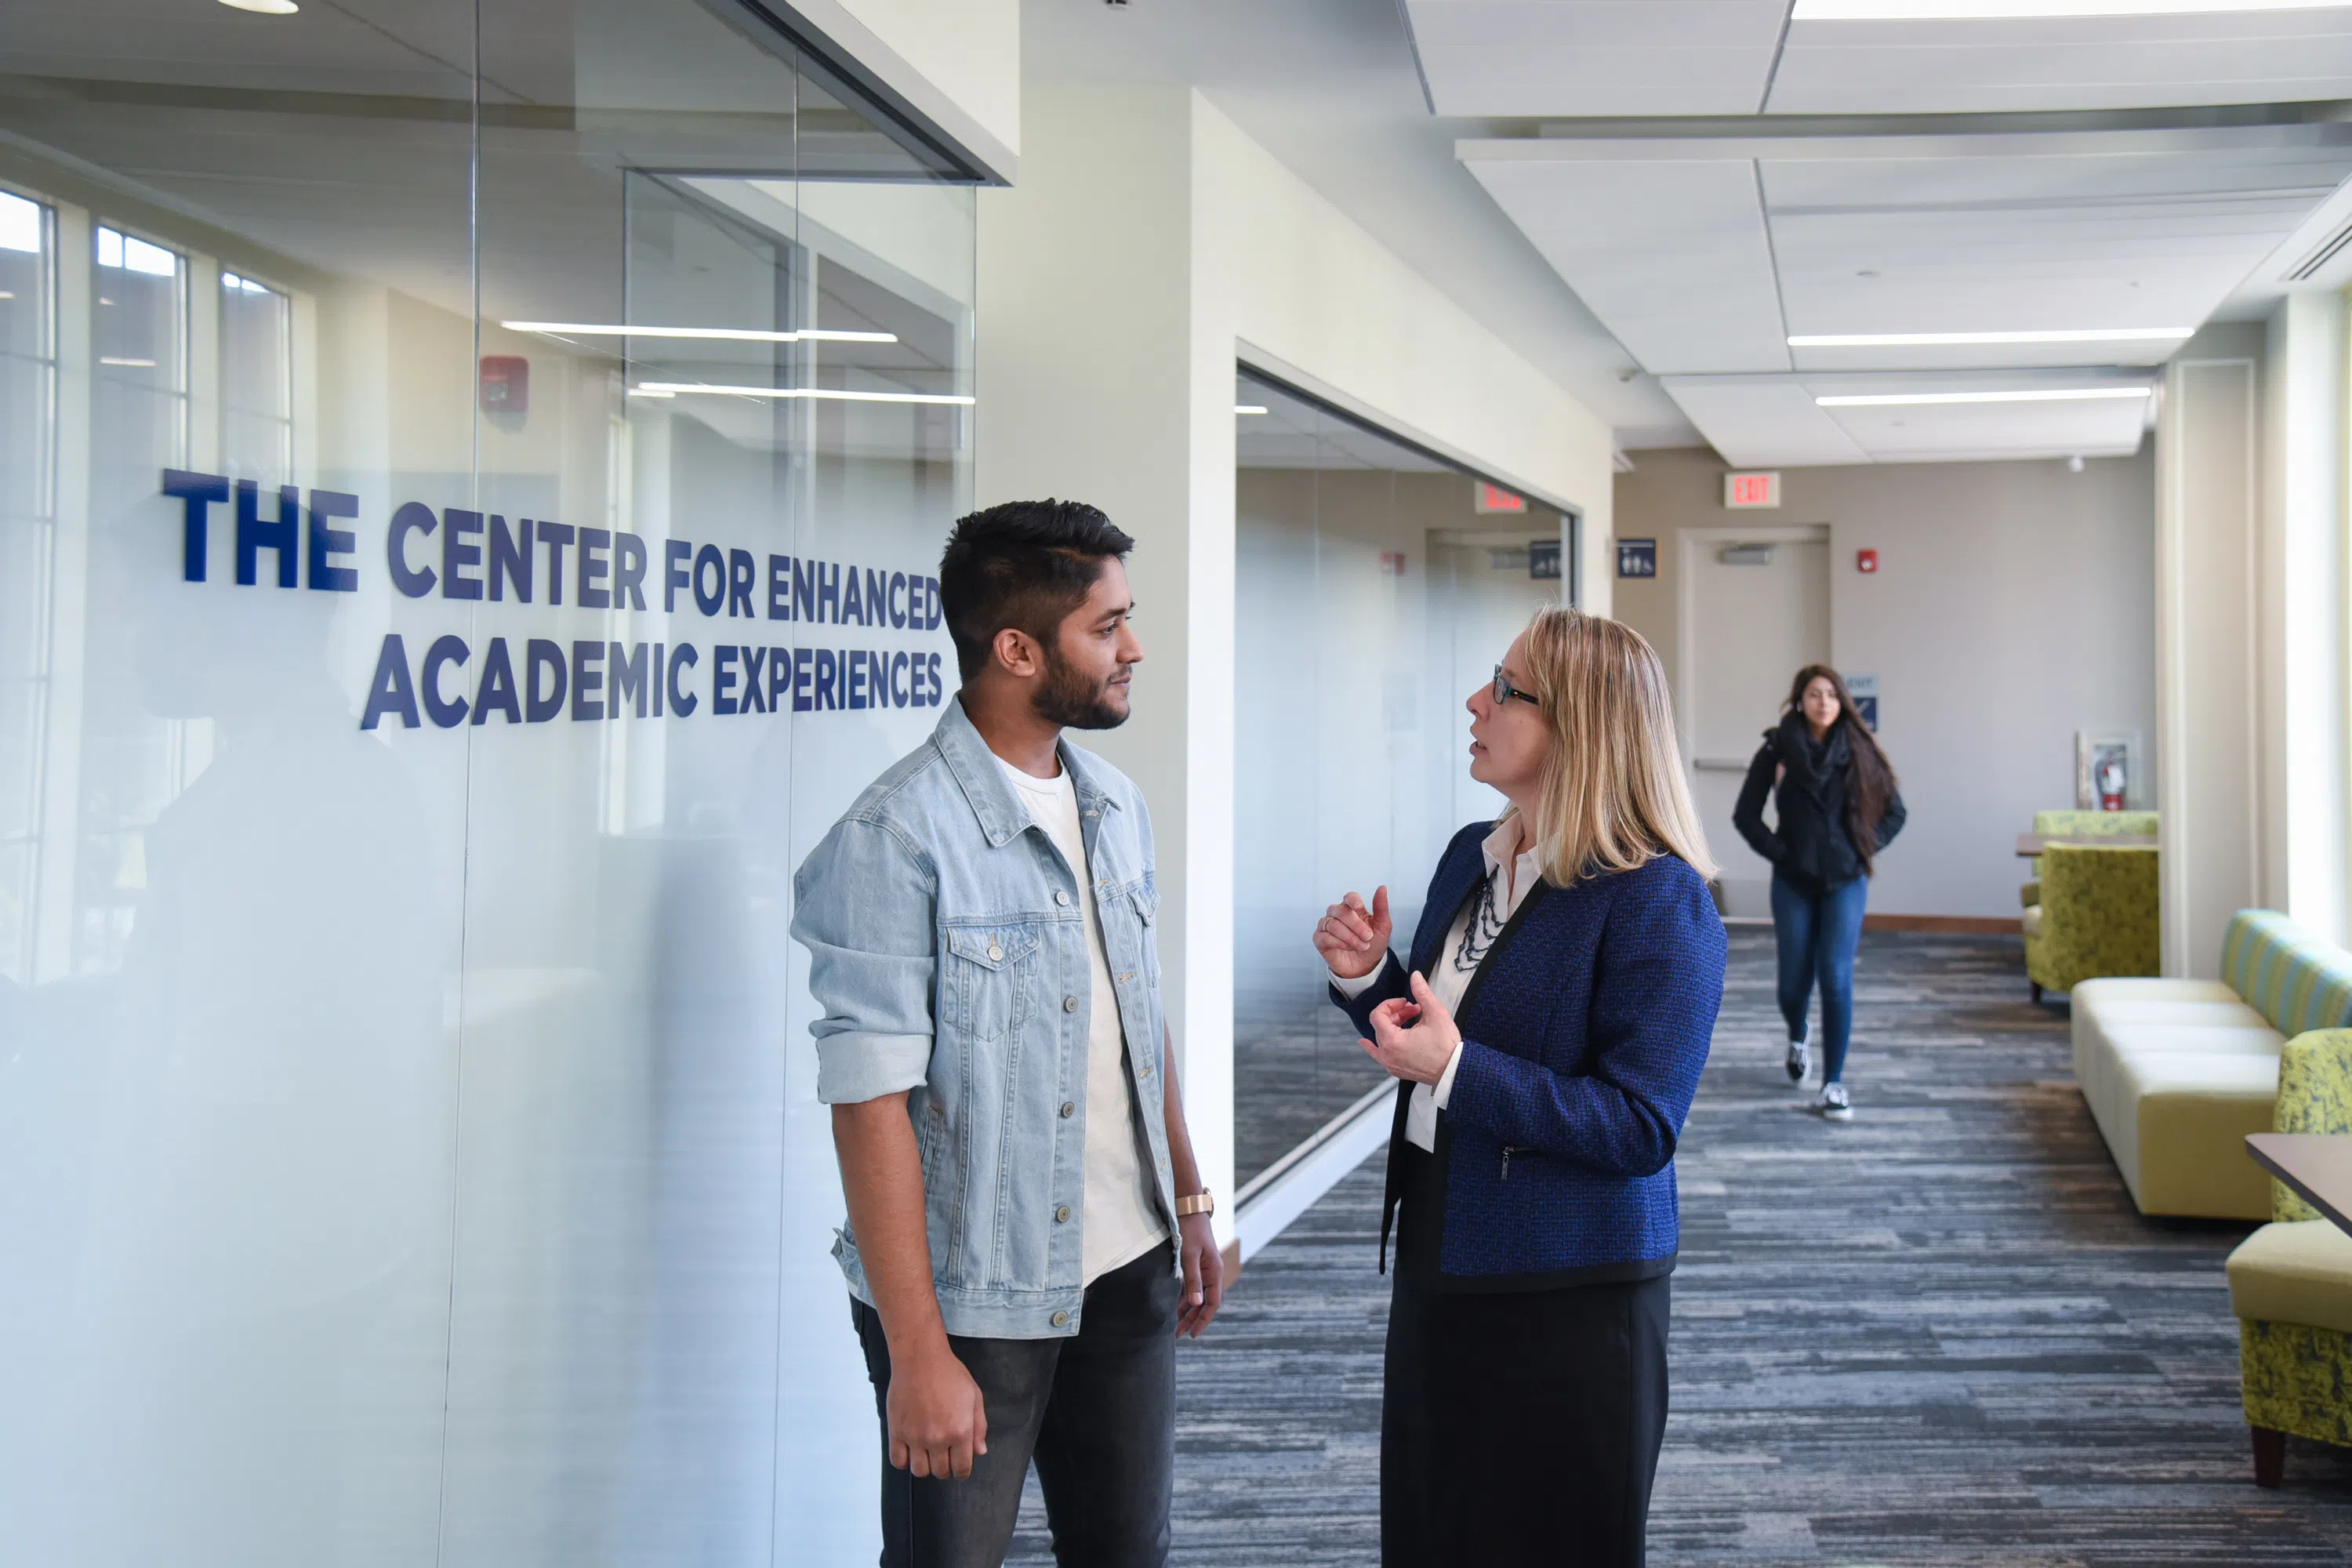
1098 1413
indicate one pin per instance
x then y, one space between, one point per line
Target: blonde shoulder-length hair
1612 795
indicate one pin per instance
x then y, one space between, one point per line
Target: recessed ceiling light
2037 395
1920 340
2001 10
1249 408
715 334
821 393
264 7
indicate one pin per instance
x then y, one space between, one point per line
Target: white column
1090 386
2208 698
2301 625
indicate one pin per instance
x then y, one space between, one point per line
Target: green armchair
2082 825
2290 1281
2096 917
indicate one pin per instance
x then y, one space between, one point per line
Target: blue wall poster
1637 558
1864 690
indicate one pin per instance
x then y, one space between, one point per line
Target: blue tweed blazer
1583 1036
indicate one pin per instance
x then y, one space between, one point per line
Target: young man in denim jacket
1028 1233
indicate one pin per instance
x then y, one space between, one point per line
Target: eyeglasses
1504 691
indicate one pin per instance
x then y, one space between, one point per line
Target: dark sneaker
1833 1104
1801 1059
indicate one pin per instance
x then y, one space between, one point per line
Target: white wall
2011 608
957 62
1147 241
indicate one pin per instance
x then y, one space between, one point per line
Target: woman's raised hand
1352 939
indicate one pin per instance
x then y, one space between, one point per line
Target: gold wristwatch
1202 1202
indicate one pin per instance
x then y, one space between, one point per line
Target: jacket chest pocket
991 973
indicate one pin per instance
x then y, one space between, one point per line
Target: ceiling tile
1537 57
1673 256
1955 66
1757 422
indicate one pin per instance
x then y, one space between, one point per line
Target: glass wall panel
225 1051
1373 594
471 479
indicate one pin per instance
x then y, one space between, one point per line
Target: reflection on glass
257 380
27 433
1371 597
407 1146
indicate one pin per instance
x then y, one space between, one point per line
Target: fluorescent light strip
671 388
2008 10
716 335
2053 394
1249 408
1920 340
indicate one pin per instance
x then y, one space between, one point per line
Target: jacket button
1070 1003
1062 1214
1069 1109
1062 899
996 954
1061 1320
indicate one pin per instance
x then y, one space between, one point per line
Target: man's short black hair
1023 564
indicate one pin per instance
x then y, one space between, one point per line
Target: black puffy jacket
1814 847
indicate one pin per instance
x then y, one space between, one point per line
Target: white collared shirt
1450 982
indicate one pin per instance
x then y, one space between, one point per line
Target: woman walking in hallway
1838 807
1549 1035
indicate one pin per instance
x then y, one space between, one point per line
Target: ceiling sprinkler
2075 464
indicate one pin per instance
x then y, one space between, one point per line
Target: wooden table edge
2262 1157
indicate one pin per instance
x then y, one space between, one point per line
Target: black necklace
1478 936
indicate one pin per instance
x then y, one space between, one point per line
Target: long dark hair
1873 784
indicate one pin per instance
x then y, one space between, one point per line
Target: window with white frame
28 391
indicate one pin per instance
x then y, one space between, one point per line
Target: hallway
1937 1334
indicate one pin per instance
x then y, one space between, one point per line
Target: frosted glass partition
1373 594
471 483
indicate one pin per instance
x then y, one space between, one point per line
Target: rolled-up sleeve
863 908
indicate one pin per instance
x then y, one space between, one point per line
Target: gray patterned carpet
1938 1334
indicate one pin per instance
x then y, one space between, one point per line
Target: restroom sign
1745 492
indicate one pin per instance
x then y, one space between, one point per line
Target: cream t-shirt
1120 1220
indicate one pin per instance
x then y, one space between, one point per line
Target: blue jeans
1816 933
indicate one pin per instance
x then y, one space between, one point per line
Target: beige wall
1147 244
2013 605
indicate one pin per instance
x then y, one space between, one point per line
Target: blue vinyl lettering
510 558
254 535
389 691
446 713
592 595
555 536
497 692
542 700
197 492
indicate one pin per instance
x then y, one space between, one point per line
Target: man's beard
1068 697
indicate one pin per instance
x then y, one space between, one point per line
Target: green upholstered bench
2176 1072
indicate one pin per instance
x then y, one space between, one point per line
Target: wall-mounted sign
1637 558
527 570
1864 690
1543 560
1495 498
1743 492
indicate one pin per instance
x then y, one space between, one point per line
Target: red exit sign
1748 490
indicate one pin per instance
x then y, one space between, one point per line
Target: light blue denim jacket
947 952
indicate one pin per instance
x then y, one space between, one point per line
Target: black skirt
1518 1427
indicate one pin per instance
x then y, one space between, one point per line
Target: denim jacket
947 952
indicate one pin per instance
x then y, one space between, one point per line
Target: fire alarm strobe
1865 560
